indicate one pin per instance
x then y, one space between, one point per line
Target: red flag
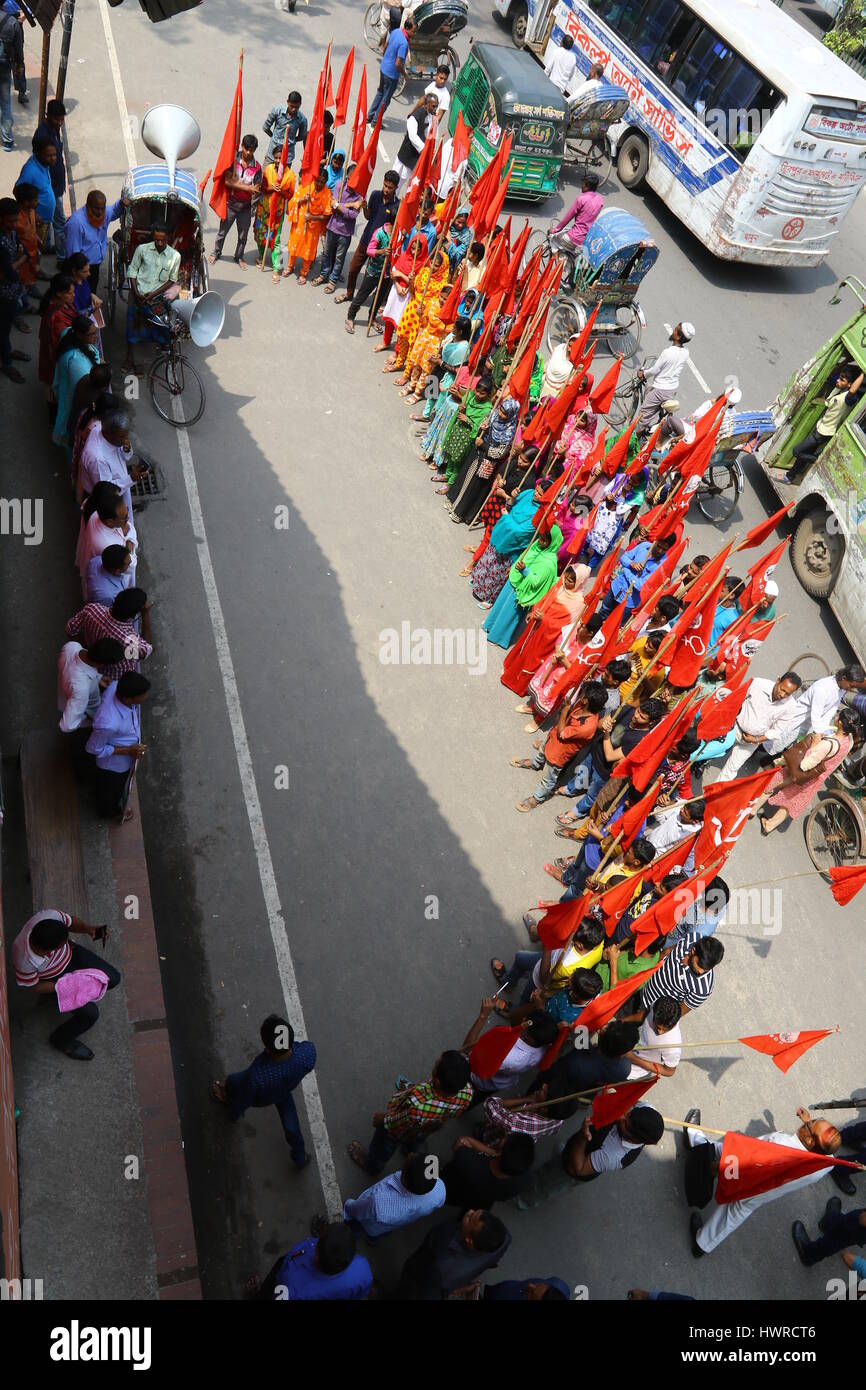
582 530
632 819
329 95
693 640
460 143
359 124
665 864
749 1166
225 160
518 249
491 314
669 910
602 396
759 533
491 1050
492 273
847 880
613 1103
642 458
761 571
407 214
536 430
578 347
786 1048
708 575
483 189
522 374
663 519
203 185
644 760
603 575
561 921
435 177
601 1010
683 450
728 806
344 87
314 145
719 711
610 631
615 458
448 312
650 590
614 902
562 406
359 179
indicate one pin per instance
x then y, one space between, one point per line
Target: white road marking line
122 107
252 804
690 364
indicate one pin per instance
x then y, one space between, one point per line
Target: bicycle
173 377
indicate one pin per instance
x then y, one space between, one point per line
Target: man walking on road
392 65
768 713
270 1079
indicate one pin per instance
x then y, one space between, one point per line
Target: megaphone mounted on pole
172 133
204 317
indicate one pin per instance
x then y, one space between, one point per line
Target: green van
502 88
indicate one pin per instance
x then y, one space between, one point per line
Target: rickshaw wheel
592 154
719 492
111 286
623 406
538 238
173 376
564 320
452 60
372 32
832 833
627 340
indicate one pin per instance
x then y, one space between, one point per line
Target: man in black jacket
418 127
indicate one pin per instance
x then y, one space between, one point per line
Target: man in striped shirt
42 952
686 974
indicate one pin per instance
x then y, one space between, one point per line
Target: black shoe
833 1208
306 1163
79 1052
692 1117
843 1181
801 1240
695 1225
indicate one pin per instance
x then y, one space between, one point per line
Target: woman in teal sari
76 354
528 581
508 538
463 431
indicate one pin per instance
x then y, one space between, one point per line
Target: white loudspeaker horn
172 133
204 317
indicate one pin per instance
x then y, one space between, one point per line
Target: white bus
752 132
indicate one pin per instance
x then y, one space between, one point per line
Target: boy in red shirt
575 728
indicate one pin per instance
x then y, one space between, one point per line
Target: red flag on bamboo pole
491 275
633 818
642 458
644 760
478 351
847 880
486 222
616 900
616 1101
314 145
605 571
602 1009
460 143
491 1050
786 1048
689 652
615 458
448 312
728 807
359 179
675 858
359 124
344 87
709 574
578 347
602 396
518 386
561 921
669 910
765 529
225 160
651 588
719 711
760 572
750 1166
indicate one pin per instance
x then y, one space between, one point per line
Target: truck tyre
519 15
632 161
817 553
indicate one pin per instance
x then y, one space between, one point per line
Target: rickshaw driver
153 283
585 90
578 219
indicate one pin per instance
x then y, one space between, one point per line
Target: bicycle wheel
537 239
832 835
719 492
173 377
592 154
626 337
564 320
372 27
623 406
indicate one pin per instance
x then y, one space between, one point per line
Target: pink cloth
79 987
584 210
795 797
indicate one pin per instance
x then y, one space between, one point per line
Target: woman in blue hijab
335 168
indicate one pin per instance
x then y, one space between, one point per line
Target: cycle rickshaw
586 139
437 22
162 194
607 270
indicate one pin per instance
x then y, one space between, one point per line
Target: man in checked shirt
416 1110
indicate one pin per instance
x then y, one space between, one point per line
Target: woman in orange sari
425 349
310 210
409 326
552 620
274 203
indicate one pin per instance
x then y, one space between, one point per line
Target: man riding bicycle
578 219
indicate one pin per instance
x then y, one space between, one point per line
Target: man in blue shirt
87 230
392 65
634 568
394 1201
278 118
52 129
116 744
528 1290
327 1268
37 171
108 575
270 1080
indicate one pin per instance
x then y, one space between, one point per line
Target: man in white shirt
660 1041
813 1136
562 64
819 704
663 377
80 681
107 455
418 126
536 1035
769 714
669 827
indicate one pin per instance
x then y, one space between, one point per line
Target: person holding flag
339 230
277 193
634 569
814 1137
379 208
308 214
243 189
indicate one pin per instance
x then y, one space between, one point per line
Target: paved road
399 784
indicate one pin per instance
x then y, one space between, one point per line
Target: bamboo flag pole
708 1042
388 255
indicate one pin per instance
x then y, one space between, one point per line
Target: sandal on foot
341 297
521 762
499 969
357 1153
529 804
530 926
554 872
319 280
349 326
329 289
562 834
523 708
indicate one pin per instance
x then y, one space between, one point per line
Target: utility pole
67 16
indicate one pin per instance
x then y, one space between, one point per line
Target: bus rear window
839 122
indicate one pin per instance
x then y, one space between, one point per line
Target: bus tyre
632 161
816 553
519 14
